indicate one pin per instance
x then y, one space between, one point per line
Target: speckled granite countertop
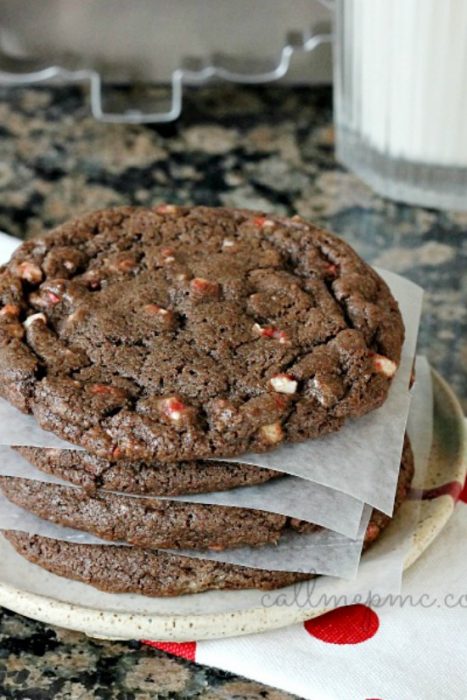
269 149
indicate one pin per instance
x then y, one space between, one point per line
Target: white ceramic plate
49 598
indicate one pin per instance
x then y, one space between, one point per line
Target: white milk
401 85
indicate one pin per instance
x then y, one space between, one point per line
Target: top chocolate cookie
181 333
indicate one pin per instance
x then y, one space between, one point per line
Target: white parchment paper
295 497
381 569
379 573
361 460
323 552
291 496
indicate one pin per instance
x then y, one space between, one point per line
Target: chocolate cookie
152 523
134 570
156 478
146 522
180 333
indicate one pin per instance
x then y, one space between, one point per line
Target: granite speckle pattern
267 148
41 663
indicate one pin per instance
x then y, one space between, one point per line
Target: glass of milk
400 97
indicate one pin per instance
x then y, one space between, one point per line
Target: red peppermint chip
186 650
350 624
53 298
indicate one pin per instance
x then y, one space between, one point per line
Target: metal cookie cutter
193 72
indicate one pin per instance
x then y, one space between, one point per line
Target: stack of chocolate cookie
161 340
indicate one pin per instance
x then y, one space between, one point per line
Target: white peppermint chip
384 365
284 384
272 432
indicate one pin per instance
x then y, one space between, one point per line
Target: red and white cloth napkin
414 648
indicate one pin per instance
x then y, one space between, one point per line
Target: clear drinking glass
400 97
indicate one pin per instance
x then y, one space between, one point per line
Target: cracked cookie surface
178 333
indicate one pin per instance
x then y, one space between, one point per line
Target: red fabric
186 650
350 624
463 493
